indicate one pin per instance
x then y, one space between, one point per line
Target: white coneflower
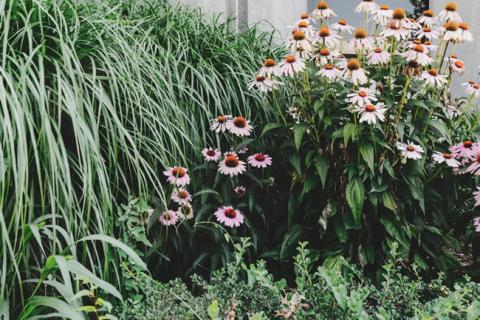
458 66
472 89
263 84
382 15
430 46
433 79
323 11
291 66
370 113
427 19
324 56
427 33
299 44
329 71
378 56
231 166
452 32
355 73
269 68
447 158
410 150
411 24
361 97
305 17
418 54
343 26
413 69
361 40
306 27
211 154
219 124
366 6
327 38
181 196
239 126
399 19
464 30
393 31
450 13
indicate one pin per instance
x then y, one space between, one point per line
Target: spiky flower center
179 172
360 33
428 13
362 94
324 52
433 72
304 16
459 64
240 122
464 26
448 156
270 63
476 86
419 48
328 66
183 194
353 64
222 119
410 148
167 216
451 6
468 144
324 32
413 64
260 79
342 22
303 24
260 157
370 108
384 7
232 161
451 26
290 59
211 153
230 213
399 14
427 29
299 35
378 50
322 5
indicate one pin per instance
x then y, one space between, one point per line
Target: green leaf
213 310
355 194
389 201
295 161
349 133
298 135
322 164
366 150
473 311
290 241
269 127
334 283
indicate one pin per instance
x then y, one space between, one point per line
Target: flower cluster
179 178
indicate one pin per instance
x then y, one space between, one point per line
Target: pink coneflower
474 167
229 216
418 54
263 84
382 15
326 38
362 97
329 71
231 166
476 196
361 40
168 218
370 113
269 69
211 154
260 160
447 158
177 175
366 6
181 196
291 66
219 124
240 191
452 32
450 13
472 89
323 11
433 79
355 73
410 150
185 211
463 150
343 26
427 33
239 126
427 19
476 224
242 150
378 57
